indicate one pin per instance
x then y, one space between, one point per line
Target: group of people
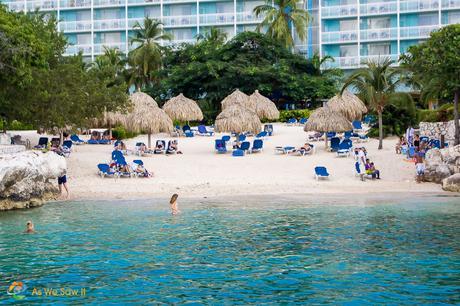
366 163
172 148
420 149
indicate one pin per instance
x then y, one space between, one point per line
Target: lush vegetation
435 65
298 114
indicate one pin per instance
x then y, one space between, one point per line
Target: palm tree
146 57
318 61
280 17
213 36
376 85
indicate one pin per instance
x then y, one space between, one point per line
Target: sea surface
244 250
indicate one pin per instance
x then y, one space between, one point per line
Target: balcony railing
378 8
339 36
419 5
222 18
75 26
248 17
108 2
16 6
417 32
339 11
42 5
379 34
143 1
353 62
171 21
109 24
450 4
74 4
177 42
75 49
99 48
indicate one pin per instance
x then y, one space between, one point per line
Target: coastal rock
452 183
441 164
27 178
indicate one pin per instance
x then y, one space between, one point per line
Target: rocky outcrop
443 166
452 183
27 179
436 129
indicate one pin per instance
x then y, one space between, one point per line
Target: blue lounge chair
344 148
241 137
42 143
92 141
292 121
160 147
357 125
269 129
348 134
138 161
67 147
284 150
335 141
203 131
363 138
321 172
220 146
118 157
238 153
303 121
116 143
105 170
104 141
226 138
245 145
425 139
411 152
331 134
262 134
76 140
257 146
435 143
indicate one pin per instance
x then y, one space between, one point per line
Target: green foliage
285 115
120 133
16 126
444 113
396 120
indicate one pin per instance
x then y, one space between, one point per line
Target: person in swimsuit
173 202
419 167
29 228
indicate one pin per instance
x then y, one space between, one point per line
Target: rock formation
443 166
27 179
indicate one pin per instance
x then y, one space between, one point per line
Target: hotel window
453 17
348 25
83 15
378 49
378 23
347 51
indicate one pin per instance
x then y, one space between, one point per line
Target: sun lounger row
245 147
119 167
294 121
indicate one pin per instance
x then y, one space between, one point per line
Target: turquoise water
273 251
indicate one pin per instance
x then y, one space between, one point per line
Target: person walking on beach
174 207
419 167
29 227
62 182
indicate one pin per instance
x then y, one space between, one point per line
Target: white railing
74 3
75 49
109 24
249 17
179 20
353 62
417 32
378 8
42 5
108 2
175 1
75 26
180 41
339 10
16 6
339 36
99 48
379 34
143 1
379 58
419 5
222 18
448 4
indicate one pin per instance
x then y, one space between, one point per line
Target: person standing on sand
62 181
29 228
173 202
419 167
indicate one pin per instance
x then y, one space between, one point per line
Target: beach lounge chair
303 121
257 146
163 147
344 148
357 126
67 147
42 143
226 138
220 146
321 172
425 139
203 131
187 131
262 135
241 137
291 121
348 134
245 145
238 152
330 134
269 129
335 141
92 141
104 141
105 170
118 157
284 150
76 140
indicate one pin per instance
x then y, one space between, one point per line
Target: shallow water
272 251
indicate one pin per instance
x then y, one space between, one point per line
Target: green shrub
443 113
285 115
16 126
120 133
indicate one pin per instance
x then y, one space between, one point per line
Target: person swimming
173 202
30 227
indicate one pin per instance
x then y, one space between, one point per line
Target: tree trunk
61 137
457 130
150 141
325 136
110 131
380 130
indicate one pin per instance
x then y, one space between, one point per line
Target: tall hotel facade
349 30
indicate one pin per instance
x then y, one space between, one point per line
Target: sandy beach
200 172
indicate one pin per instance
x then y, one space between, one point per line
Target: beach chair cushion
335 142
241 137
203 131
262 134
257 145
357 125
238 152
321 171
245 145
226 138
105 170
220 146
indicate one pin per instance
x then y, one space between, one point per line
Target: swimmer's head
173 198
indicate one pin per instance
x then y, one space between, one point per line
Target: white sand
200 172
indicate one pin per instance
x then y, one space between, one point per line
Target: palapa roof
146 116
183 109
323 119
348 105
238 119
237 97
264 107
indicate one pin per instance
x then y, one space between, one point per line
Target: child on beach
173 202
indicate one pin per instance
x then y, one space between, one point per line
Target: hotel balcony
420 32
350 10
353 62
109 24
450 4
143 2
177 42
72 4
75 26
339 37
99 48
418 6
378 8
248 17
16 6
44 5
378 34
213 19
179 21
106 3
179 1
75 49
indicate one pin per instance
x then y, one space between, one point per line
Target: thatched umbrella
183 109
325 120
264 107
146 116
238 119
140 97
348 105
237 97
